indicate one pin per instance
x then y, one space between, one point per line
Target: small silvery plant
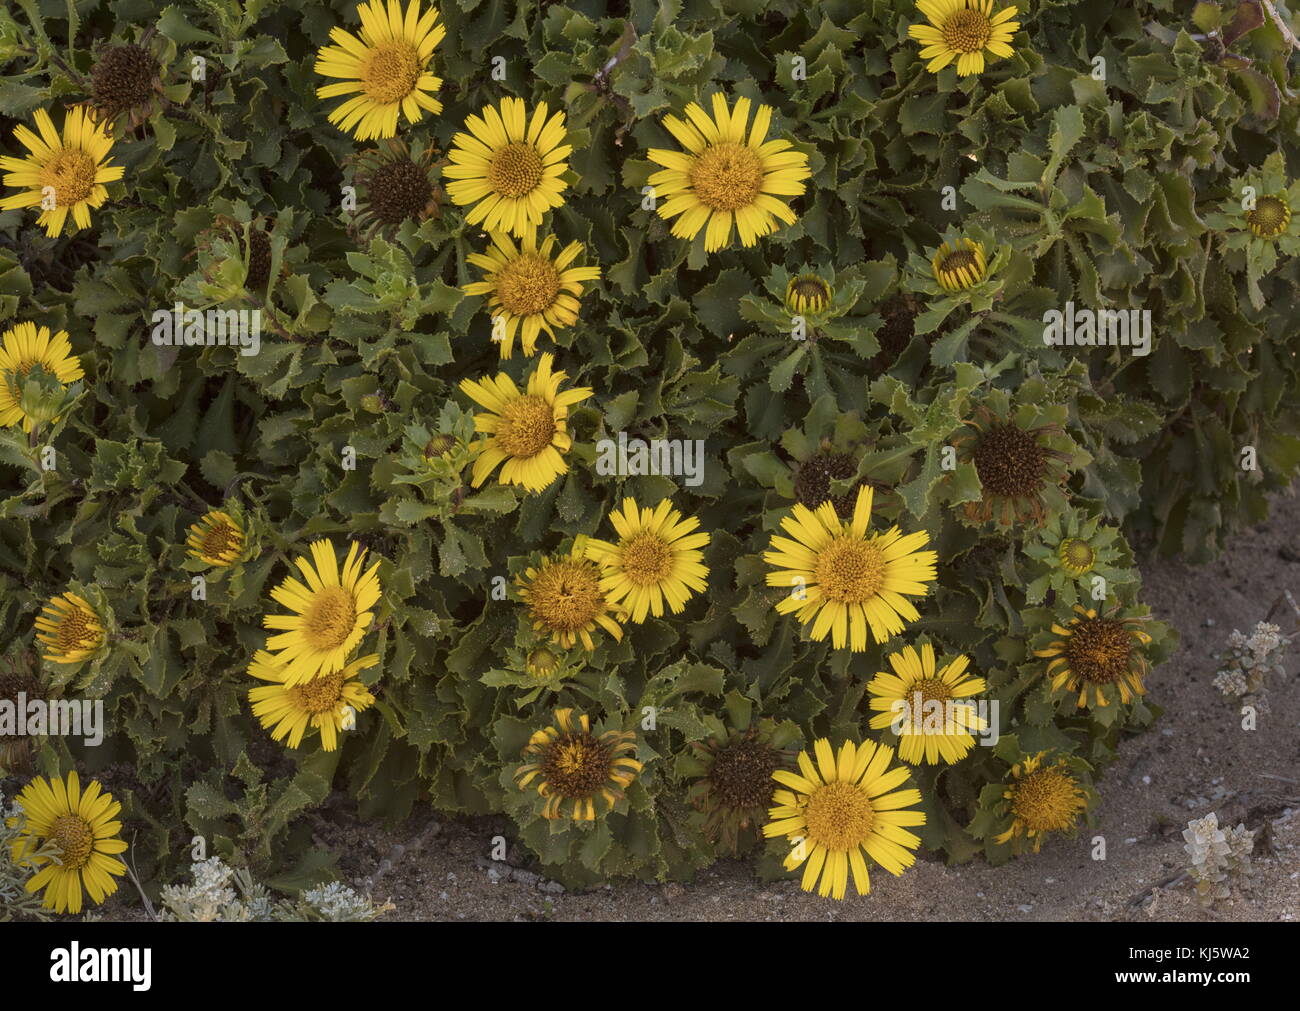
222 894
1216 860
1247 663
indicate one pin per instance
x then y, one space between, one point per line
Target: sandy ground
1195 761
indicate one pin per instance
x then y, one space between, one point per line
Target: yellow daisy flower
529 290
22 348
963 30
725 176
847 579
70 629
62 175
217 538
329 703
566 602
525 430
331 613
83 826
927 733
1097 655
385 69
509 167
657 558
960 266
1044 798
575 768
838 809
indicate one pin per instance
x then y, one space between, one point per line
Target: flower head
385 69
84 828
542 664
525 431
925 706
395 184
529 288
124 79
1269 217
657 558
217 538
850 581
566 600
25 347
1098 656
959 265
735 787
1016 468
574 768
1043 797
70 629
62 175
332 611
963 30
328 703
843 806
509 166
727 175
807 294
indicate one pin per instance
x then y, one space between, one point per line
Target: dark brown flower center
123 78
1269 217
77 629
741 775
957 260
219 538
1010 462
398 190
1099 650
812 484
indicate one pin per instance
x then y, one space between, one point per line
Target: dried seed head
812 483
741 775
123 78
1010 462
398 190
